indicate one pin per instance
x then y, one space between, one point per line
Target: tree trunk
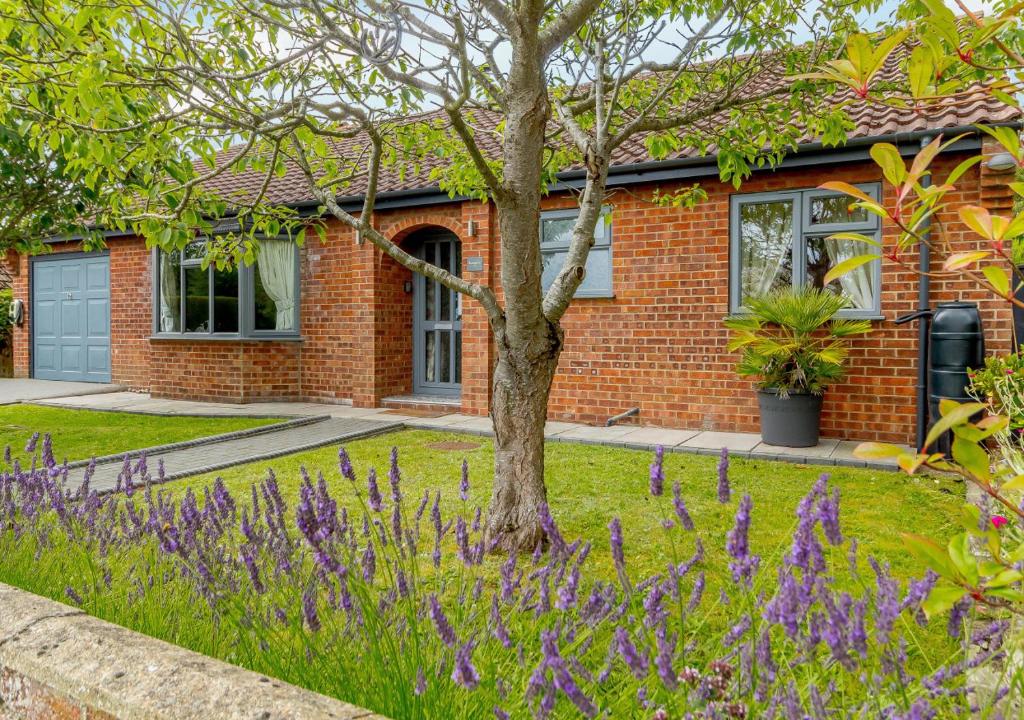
519 407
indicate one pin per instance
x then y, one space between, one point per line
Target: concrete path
16 390
203 456
828 452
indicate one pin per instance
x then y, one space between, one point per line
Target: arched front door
437 320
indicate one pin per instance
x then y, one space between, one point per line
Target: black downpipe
924 301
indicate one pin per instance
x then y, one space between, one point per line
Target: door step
423 405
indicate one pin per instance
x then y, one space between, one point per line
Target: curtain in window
276 263
170 300
766 238
858 284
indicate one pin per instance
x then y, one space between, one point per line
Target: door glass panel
429 355
446 303
428 292
458 356
766 247
225 301
197 299
445 338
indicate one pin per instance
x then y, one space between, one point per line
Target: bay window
783 239
261 300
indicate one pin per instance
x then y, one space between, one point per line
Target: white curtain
858 284
170 305
766 237
276 263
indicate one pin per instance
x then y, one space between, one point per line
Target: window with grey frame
555 237
258 300
783 239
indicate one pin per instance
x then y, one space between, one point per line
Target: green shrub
792 341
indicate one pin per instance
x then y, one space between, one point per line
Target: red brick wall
225 371
659 344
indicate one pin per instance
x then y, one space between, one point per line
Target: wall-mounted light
471 228
407 287
1001 162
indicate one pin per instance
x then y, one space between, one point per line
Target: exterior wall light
1001 162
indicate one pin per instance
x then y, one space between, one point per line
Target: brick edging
207 440
58 661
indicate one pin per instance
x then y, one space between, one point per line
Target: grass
84 434
588 486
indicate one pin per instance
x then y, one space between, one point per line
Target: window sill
205 338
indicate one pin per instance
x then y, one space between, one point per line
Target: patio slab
736 442
823 449
17 390
653 437
588 433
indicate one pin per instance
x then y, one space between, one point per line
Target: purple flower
744 564
828 513
618 554
464 482
71 593
421 682
369 563
463 672
680 507
444 628
345 466
957 616
658 472
724 492
557 543
309 611
666 643
373 492
637 663
395 477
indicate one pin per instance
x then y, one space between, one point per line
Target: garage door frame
35 260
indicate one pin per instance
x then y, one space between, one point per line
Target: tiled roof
978 106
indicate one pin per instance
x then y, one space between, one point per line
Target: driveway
16 390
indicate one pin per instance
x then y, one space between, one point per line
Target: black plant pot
792 421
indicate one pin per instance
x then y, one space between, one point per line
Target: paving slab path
205 456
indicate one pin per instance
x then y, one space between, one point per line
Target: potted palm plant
795 347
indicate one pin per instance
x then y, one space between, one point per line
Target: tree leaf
846 266
941 599
963 559
998 278
959 413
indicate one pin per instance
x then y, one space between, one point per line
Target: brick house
340 322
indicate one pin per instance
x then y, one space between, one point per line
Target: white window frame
602 239
246 303
802 230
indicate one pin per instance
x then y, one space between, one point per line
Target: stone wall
58 663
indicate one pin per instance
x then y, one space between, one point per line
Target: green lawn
588 485
84 434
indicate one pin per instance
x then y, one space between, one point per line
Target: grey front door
70 318
437 321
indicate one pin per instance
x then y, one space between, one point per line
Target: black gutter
924 288
809 154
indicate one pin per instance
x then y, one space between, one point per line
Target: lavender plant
395 605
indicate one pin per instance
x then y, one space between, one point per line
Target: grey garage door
70 318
